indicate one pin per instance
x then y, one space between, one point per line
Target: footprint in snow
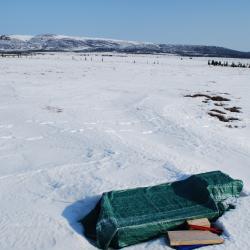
108 152
90 153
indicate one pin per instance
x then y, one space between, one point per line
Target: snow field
71 129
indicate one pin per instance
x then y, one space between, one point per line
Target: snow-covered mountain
49 42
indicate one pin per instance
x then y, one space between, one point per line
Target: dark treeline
16 54
11 55
226 64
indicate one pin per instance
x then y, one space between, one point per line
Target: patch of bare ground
219 101
218 111
234 109
213 98
223 118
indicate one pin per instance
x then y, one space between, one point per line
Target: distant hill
59 43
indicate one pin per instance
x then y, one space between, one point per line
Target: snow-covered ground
72 128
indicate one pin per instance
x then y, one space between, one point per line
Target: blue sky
209 22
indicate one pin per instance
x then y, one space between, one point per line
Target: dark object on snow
222 118
218 111
216 98
127 217
234 109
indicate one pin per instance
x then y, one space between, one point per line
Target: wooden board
193 237
204 222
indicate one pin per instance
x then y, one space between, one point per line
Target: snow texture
73 127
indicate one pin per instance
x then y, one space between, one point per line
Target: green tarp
127 217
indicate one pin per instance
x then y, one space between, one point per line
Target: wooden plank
193 237
204 222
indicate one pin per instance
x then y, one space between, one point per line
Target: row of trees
18 54
226 64
3 37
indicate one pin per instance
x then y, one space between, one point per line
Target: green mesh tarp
127 217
